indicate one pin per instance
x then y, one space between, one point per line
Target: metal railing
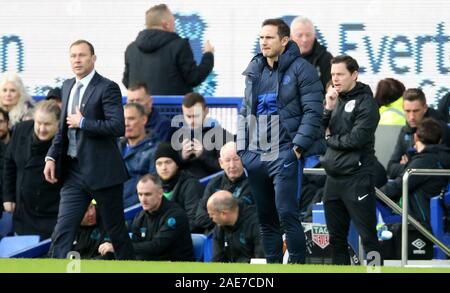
405 195
404 212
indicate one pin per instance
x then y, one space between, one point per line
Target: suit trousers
75 198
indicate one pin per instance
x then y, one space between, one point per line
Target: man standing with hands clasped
86 153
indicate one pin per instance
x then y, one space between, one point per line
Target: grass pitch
101 266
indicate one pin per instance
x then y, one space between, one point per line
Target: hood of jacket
358 91
150 40
442 152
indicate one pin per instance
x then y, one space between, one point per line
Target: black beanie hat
164 149
54 93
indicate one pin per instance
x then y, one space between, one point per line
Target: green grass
99 266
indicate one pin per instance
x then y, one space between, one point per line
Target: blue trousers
276 187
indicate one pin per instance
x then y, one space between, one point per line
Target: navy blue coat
299 99
98 155
139 160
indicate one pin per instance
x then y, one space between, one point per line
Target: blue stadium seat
12 244
198 241
36 250
6 224
208 250
437 216
388 215
204 181
131 212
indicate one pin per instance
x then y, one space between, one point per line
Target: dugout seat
198 242
12 244
438 218
6 224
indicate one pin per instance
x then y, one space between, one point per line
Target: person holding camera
201 138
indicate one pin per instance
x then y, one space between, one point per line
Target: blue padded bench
437 215
12 245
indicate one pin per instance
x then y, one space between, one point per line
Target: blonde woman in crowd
14 98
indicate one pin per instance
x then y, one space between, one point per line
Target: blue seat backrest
446 196
198 242
209 243
388 216
130 212
6 224
205 180
11 244
437 216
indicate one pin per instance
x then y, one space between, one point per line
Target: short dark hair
135 85
138 107
350 62
5 114
79 42
388 90
414 94
429 131
283 28
191 99
150 177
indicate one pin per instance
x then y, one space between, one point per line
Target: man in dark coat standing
281 115
162 59
85 149
351 117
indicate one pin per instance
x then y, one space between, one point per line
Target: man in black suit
85 150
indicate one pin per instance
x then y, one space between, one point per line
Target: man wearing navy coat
84 154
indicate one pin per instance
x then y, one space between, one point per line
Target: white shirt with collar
85 81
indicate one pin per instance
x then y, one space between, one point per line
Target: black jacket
422 188
187 192
37 201
320 58
163 234
165 62
241 242
444 108
87 241
405 144
240 189
208 162
352 127
100 161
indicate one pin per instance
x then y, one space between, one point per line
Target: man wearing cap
178 186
